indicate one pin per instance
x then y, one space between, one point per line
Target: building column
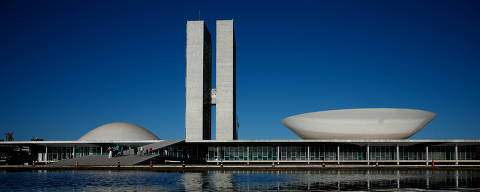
46 153
456 154
278 154
73 151
218 154
248 154
338 154
426 154
101 150
368 154
398 155
308 154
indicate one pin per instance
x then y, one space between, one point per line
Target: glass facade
323 152
242 153
352 152
58 153
383 153
412 152
293 153
318 152
177 152
441 153
468 152
286 152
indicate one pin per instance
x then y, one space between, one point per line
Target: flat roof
356 142
140 142
338 141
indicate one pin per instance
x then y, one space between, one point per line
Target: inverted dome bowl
366 123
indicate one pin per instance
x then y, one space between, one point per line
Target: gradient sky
67 67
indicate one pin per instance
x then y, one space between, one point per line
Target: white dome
373 123
118 131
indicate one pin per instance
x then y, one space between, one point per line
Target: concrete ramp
103 160
160 145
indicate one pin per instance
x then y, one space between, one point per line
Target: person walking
109 152
116 149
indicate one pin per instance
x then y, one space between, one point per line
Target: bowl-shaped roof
366 123
118 131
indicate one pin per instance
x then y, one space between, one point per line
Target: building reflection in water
222 181
333 179
207 181
243 180
194 181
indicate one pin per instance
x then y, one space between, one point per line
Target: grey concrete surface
226 81
198 82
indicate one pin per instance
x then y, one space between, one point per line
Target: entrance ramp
125 160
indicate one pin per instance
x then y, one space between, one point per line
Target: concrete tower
198 82
226 116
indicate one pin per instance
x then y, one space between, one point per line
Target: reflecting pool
282 180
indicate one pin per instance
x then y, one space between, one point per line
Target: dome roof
118 131
366 123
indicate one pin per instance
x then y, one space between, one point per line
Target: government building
365 136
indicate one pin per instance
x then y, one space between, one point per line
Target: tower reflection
332 179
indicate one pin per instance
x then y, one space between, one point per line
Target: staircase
103 160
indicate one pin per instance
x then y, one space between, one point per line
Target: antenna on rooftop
198 14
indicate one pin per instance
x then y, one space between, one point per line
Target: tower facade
226 116
198 82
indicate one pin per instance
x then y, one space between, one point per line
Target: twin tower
200 96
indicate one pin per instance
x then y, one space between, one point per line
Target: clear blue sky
67 67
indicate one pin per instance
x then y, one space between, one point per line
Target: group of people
142 151
115 151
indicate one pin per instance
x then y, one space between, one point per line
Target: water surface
329 179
